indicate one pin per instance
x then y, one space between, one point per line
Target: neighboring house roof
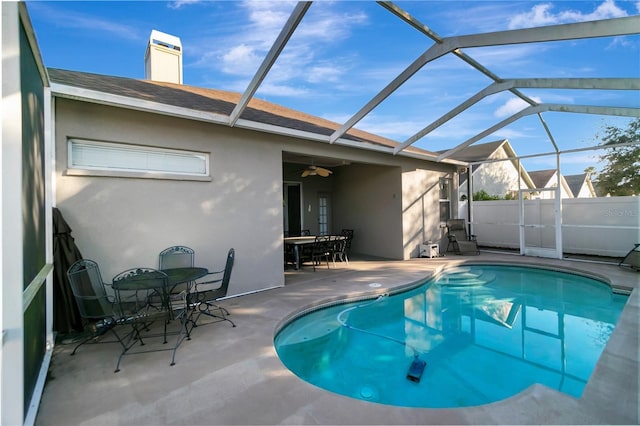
477 152
483 152
577 182
541 178
212 101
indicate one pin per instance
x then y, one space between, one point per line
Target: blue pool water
486 333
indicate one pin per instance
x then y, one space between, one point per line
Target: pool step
464 277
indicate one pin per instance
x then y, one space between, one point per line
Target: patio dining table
297 243
161 284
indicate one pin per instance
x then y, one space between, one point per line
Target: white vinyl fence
607 226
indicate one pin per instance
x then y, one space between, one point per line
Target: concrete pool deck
227 375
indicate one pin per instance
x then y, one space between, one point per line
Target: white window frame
449 183
139 161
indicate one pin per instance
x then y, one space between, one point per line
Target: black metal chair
177 257
94 303
207 292
321 249
152 302
348 233
340 249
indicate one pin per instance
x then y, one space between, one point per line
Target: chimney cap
164 39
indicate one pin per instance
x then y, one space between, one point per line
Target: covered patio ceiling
455 46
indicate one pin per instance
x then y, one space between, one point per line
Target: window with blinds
116 157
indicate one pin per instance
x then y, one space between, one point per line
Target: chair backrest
349 234
457 228
176 257
321 245
89 290
226 276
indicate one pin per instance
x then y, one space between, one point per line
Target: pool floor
485 333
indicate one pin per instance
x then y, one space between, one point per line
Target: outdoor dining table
307 240
160 283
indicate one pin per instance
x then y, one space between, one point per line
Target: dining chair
208 291
340 250
94 303
321 249
149 286
348 233
177 257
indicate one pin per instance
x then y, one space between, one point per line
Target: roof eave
103 98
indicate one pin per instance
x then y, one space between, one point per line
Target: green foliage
482 195
621 173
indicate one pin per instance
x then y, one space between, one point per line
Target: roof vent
163 58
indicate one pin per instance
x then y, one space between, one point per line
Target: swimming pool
484 333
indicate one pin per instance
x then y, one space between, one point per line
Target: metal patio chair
94 303
206 292
458 238
322 249
152 303
177 257
632 259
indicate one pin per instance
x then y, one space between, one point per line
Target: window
115 159
445 199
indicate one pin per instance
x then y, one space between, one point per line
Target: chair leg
208 307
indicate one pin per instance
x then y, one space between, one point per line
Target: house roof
540 178
477 152
575 182
213 101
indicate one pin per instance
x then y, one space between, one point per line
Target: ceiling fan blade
305 173
323 172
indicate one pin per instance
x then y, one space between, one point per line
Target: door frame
285 202
540 251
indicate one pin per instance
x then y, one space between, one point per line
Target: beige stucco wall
368 199
421 208
391 202
123 223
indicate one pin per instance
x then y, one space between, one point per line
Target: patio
231 375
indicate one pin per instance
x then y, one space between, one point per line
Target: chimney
163 58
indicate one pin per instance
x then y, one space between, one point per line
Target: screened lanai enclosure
421 80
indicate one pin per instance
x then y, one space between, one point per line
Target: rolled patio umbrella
66 317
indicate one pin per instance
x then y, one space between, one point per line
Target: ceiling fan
316 170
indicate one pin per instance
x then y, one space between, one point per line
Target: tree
482 195
621 173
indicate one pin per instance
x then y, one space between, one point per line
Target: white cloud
513 106
180 3
241 60
542 14
247 46
91 24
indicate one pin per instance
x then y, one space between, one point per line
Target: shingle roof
212 101
575 182
541 177
477 152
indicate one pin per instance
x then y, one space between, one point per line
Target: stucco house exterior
222 186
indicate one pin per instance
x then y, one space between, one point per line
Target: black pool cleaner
417 366
415 369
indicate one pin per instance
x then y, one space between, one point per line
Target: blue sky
343 53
